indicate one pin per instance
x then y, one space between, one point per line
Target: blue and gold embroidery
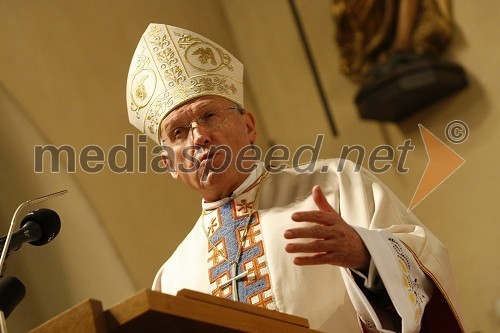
226 228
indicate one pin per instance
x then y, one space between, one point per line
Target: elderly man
333 245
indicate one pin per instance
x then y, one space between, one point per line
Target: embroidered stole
225 227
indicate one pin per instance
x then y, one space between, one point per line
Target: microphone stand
14 222
3 323
12 292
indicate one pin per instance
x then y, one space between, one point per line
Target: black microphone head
49 223
12 292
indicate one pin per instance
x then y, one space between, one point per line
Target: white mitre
172 66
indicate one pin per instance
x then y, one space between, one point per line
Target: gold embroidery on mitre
216 84
202 54
166 57
143 84
171 66
167 62
159 107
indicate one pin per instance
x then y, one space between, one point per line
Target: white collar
252 177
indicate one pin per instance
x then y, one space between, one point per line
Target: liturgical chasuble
409 265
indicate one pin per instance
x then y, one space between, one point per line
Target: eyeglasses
209 120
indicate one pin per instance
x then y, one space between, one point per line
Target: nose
200 134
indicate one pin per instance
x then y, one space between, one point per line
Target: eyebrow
172 125
202 106
179 121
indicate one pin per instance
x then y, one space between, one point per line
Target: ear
167 161
250 127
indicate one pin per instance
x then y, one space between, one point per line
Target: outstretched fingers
326 239
320 200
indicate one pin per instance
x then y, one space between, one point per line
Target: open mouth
206 157
206 166
211 155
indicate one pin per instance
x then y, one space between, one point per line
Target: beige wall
62 81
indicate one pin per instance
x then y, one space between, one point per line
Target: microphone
12 292
8 238
38 227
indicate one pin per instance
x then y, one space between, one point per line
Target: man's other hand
331 240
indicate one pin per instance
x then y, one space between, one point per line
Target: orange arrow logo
443 162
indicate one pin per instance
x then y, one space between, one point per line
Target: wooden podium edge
151 311
85 317
284 317
196 307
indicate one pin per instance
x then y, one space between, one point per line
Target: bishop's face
203 139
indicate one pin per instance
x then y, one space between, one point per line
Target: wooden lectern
189 311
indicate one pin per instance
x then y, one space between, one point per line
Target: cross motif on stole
234 280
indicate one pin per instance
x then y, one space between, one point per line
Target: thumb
320 200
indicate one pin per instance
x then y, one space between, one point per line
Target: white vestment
411 262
